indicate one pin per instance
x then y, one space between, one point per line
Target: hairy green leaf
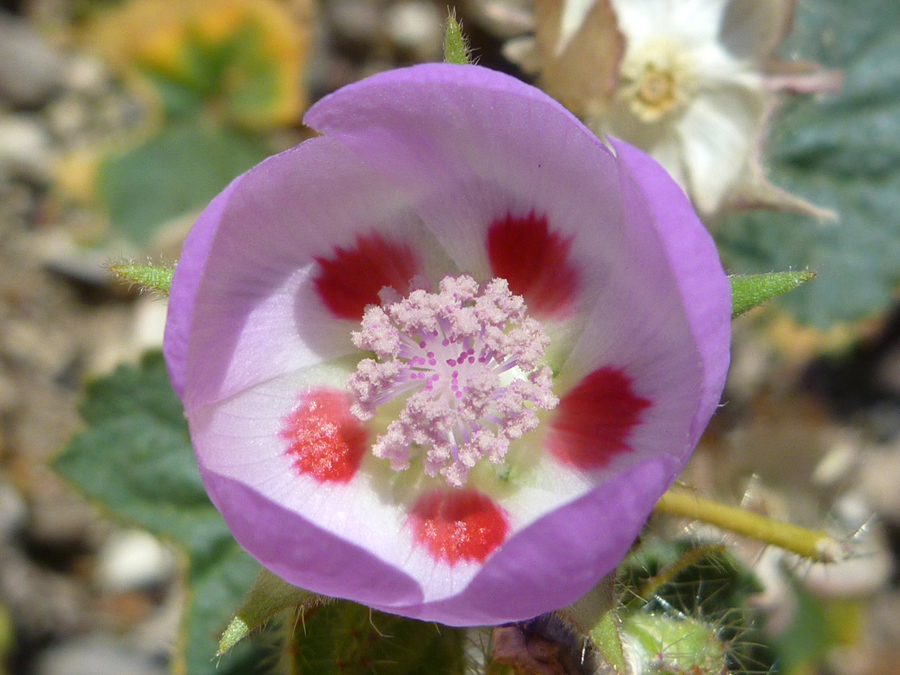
841 152
172 174
135 459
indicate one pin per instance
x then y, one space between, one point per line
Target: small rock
354 21
24 147
45 604
60 520
86 74
416 27
149 322
30 70
9 397
68 116
96 655
879 478
13 511
132 560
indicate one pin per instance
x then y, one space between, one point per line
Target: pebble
86 74
68 117
13 511
879 478
30 70
96 655
504 18
24 147
416 27
131 560
354 21
149 322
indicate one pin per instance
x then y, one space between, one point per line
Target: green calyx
154 277
456 47
748 292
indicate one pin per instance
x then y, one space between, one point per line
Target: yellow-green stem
813 544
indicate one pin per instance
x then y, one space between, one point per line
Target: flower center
658 79
467 359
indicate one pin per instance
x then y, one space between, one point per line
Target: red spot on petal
458 526
535 262
593 421
351 278
325 440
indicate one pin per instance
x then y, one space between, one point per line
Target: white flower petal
717 134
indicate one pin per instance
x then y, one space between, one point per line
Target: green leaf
135 458
155 277
180 99
172 174
841 153
343 638
751 291
456 47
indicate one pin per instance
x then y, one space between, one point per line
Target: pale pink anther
468 358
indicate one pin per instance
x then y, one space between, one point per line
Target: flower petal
691 21
353 277
752 29
364 514
185 282
536 262
697 272
244 314
304 554
594 420
563 554
471 148
717 133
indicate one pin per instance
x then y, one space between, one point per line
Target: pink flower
444 359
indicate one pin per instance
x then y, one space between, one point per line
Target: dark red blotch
351 278
593 421
535 261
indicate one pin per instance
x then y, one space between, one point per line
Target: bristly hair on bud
456 46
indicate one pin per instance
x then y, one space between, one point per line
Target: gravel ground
80 595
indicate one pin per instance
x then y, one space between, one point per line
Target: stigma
466 361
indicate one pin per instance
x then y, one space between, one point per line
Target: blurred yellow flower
247 56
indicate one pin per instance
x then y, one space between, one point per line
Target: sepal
456 46
748 292
269 596
155 277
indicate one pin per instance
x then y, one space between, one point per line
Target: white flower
693 82
685 96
